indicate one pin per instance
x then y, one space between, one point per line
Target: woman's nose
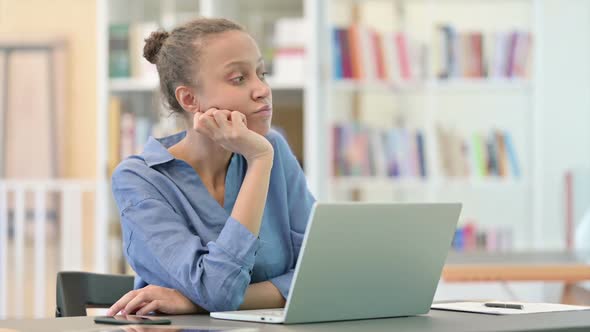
262 90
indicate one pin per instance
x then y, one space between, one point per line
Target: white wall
564 134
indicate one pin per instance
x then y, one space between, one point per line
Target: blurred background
486 102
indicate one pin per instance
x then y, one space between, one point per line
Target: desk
570 268
440 321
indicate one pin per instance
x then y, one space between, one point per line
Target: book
479 161
420 146
402 52
477 155
473 54
503 169
365 54
360 150
345 54
127 138
119 61
114 134
337 54
512 156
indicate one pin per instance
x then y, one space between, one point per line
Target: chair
75 291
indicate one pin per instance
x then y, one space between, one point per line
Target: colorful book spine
420 145
512 156
337 54
403 56
119 61
479 155
359 150
473 237
346 54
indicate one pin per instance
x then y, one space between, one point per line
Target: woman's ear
187 99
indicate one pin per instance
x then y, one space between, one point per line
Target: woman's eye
238 79
263 75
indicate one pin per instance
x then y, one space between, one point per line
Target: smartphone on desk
131 319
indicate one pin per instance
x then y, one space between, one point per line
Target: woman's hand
154 298
228 129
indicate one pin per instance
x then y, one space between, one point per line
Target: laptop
365 260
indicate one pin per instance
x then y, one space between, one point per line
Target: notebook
527 308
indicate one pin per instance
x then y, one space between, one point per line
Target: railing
27 209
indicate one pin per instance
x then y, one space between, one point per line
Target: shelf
515 84
360 181
419 183
485 183
452 85
278 84
133 84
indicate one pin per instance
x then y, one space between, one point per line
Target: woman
213 217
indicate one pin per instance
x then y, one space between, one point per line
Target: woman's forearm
262 295
251 199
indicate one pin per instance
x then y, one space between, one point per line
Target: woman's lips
265 110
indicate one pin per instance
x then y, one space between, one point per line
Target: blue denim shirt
176 235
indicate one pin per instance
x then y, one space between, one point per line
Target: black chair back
75 291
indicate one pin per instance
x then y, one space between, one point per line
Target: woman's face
232 77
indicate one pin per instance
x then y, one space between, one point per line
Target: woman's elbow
218 302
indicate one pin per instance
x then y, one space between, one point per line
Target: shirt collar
156 152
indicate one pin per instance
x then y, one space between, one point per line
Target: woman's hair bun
153 44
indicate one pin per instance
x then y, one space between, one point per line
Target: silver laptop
365 260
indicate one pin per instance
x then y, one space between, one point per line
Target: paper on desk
528 308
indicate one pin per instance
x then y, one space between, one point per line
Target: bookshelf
417 98
128 88
552 98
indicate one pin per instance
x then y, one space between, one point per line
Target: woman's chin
261 129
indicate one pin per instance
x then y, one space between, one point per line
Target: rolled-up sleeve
163 251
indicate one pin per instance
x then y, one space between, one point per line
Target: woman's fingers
238 118
136 309
196 118
222 119
119 305
144 295
152 306
152 298
203 123
208 126
216 123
